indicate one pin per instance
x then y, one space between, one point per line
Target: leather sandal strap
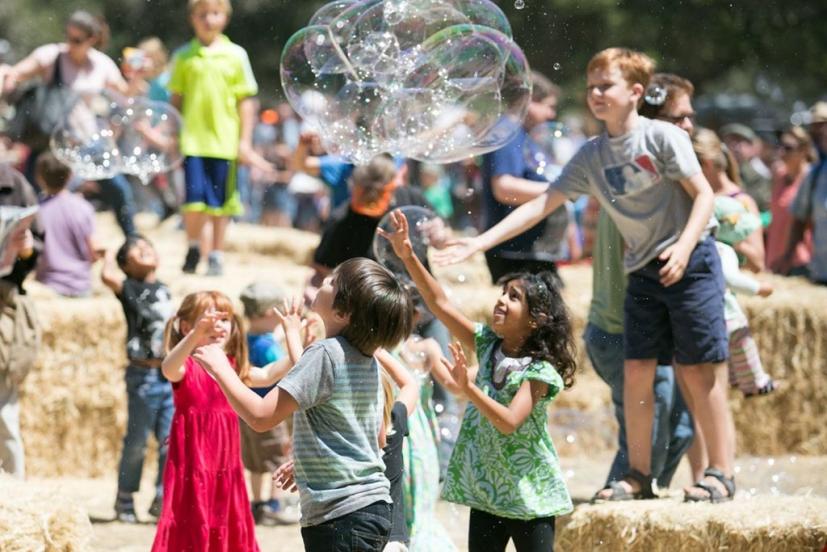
727 482
644 481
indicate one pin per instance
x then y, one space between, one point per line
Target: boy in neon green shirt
212 84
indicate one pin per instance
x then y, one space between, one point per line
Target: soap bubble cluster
433 80
102 135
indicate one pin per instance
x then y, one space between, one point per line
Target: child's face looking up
333 320
512 320
609 94
208 20
141 259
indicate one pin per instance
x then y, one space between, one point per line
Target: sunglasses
76 39
675 119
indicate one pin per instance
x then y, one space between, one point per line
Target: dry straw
39 518
759 524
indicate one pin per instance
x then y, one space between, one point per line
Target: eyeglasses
675 119
76 39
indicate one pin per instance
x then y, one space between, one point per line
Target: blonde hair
225 4
387 391
636 67
708 147
805 143
156 51
192 308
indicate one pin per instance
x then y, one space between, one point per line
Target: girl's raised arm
507 419
173 366
408 386
461 327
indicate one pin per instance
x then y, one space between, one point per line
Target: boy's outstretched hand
212 358
290 314
399 238
285 478
456 251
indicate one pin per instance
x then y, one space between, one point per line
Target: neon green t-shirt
211 81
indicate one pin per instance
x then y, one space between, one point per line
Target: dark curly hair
552 339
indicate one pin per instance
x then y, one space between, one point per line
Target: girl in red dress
205 506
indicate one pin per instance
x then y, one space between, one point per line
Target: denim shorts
687 317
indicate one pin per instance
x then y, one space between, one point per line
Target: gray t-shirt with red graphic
636 177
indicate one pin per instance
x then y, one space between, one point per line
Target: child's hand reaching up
290 315
285 478
400 241
459 370
213 359
208 325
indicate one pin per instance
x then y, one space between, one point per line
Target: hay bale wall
760 524
74 405
39 517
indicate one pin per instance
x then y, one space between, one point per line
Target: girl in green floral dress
504 466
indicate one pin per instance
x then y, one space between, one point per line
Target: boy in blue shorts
212 84
645 175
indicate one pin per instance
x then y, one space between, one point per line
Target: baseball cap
260 296
818 113
737 129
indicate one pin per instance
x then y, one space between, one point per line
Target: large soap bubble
547 148
105 134
148 141
434 80
424 227
85 140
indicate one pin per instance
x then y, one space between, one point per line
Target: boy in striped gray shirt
335 396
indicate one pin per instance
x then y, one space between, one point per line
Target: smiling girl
504 466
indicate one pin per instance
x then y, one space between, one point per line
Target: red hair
192 308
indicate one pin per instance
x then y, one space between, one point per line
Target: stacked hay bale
760 524
39 517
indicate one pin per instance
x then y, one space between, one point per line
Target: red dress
205 496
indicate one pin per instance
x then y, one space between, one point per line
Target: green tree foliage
716 43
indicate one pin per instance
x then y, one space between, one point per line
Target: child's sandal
765 389
713 494
619 492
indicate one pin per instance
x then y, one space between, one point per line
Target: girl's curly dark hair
552 338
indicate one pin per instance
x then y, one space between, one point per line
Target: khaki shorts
264 452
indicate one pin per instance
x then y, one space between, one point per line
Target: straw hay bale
38 517
760 524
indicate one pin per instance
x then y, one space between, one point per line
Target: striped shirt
338 467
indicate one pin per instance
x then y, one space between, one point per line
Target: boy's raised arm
518 221
110 275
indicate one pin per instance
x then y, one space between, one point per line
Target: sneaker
191 262
155 507
215 266
125 511
274 512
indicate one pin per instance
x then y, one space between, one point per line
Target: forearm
698 218
244 401
247 116
500 416
512 190
752 249
173 363
271 373
408 386
293 341
521 219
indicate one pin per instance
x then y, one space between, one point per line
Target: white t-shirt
98 73
636 177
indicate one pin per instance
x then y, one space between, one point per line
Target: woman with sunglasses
796 155
83 69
